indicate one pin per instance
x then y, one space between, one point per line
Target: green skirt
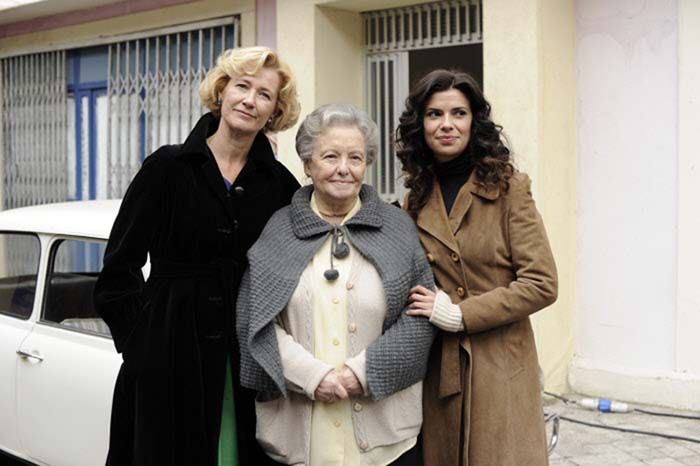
228 448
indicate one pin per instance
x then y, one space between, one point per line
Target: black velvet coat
176 330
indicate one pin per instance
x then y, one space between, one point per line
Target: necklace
325 214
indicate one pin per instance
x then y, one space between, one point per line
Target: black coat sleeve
117 294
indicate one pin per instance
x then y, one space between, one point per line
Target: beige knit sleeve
446 315
302 371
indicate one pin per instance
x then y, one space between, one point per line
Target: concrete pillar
266 23
323 45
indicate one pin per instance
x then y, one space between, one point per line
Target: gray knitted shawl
386 237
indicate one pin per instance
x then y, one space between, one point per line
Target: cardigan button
352 327
363 445
455 257
460 292
349 286
431 258
357 407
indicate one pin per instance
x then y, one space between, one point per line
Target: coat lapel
432 218
465 198
461 206
195 149
215 181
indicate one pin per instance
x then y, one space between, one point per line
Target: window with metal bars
153 93
425 25
76 124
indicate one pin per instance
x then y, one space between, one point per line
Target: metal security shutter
437 24
389 36
153 92
34 129
384 99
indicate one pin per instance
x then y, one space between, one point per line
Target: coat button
431 258
460 292
352 327
357 407
455 257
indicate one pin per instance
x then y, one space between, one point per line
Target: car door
65 385
19 266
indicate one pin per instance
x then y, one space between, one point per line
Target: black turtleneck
452 175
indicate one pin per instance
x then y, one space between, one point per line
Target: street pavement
581 445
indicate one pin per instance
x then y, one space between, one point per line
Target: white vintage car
57 360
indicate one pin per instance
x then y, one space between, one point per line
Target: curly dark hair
488 154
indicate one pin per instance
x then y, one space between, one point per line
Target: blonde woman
195 209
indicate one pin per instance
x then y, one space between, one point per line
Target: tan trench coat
482 397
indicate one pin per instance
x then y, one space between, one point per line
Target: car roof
76 218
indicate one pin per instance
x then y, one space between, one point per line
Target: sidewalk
581 445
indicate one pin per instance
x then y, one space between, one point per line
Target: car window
19 265
73 271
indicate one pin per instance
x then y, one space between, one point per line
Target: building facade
599 101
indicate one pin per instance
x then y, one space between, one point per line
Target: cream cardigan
284 424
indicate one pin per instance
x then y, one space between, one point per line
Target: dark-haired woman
493 266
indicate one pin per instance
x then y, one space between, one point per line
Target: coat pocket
408 408
282 426
513 349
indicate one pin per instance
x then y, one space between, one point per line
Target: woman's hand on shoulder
421 301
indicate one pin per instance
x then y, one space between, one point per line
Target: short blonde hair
248 61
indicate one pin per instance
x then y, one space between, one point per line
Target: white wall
628 203
688 346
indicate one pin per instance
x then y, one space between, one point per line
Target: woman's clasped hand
338 385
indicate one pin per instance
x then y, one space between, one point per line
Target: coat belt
450 367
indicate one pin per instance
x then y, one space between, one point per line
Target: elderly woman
324 339
488 248
195 209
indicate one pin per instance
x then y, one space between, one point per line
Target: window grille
33 102
437 24
389 36
384 99
153 92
